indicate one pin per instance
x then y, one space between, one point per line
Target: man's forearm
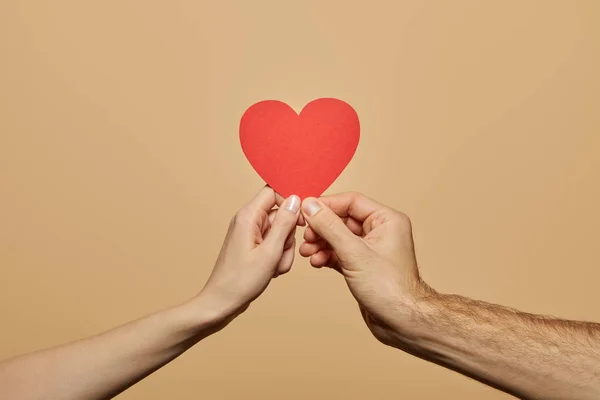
527 355
102 366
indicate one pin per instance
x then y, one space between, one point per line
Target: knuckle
404 221
355 195
242 216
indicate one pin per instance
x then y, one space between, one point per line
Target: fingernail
311 206
292 204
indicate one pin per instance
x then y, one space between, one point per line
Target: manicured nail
292 204
311 207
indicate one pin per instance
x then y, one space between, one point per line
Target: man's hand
529 356
371 245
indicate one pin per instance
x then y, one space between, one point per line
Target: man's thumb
328 225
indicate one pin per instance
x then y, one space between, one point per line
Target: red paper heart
300 154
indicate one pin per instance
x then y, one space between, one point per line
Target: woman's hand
259 246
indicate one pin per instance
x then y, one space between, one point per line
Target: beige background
120 168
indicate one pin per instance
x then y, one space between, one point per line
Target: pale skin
371 246
259 246
529 356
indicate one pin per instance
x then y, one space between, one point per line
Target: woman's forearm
527 355
255 250
101 366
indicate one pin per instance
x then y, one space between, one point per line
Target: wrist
204 315
412 321
431 333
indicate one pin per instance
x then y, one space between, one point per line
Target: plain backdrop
120 168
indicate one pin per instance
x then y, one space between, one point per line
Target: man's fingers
310 235
325 258
320 259
325 223
351 204
355 227
308 249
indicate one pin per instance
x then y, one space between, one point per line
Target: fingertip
314 264
309 249
310 206
320 259
292 204
305 250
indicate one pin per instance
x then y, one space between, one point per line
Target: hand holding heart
371 246
259 246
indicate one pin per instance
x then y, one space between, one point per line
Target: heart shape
304 153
